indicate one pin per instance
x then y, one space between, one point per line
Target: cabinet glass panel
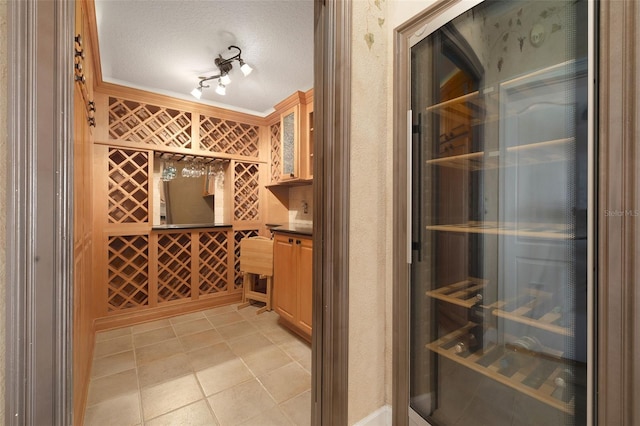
499 215
288 144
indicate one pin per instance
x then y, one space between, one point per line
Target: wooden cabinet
293 291
290 143
292 153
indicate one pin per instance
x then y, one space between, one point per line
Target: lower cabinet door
305 288
284 277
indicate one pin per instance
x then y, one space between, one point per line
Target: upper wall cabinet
291 141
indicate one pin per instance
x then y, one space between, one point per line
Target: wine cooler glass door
499 312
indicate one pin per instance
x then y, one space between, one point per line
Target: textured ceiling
164 45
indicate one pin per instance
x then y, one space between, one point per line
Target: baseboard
380 417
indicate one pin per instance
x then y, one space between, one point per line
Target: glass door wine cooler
500 230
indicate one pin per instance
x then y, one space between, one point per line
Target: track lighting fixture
224 67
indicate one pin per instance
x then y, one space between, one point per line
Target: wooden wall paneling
99 198
101 131
195 265
196 122
153 269
233 261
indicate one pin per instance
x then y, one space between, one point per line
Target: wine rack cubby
214 262
142 123
246 200
128 272
128 188
229 137
274 131
174 267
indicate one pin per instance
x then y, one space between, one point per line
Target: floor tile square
107 387
112 364
273 417
122 411
266 359
152 325
200 340
186 317
196 414
113 346
163 369
153 336
190 327
237 330
286 382
223 376
112 334
298 409
158 351
249 343
168 396
240 403
223 319
210 356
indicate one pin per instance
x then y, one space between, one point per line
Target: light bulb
197 92
245 68
221 90
225 79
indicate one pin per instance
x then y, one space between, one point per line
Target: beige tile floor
218 367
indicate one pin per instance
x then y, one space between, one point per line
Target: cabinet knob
290 240
298 241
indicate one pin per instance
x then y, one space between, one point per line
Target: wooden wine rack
128 196
246 198
229 137
214 262
534 377
174 267
274 130
133 121
128 272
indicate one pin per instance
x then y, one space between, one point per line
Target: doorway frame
617 188
39 351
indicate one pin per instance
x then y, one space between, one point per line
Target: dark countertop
190 226
293 229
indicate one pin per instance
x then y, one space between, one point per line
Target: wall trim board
39 244
332 109
618 270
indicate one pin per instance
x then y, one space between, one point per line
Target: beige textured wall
3 216
371 220
369 260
